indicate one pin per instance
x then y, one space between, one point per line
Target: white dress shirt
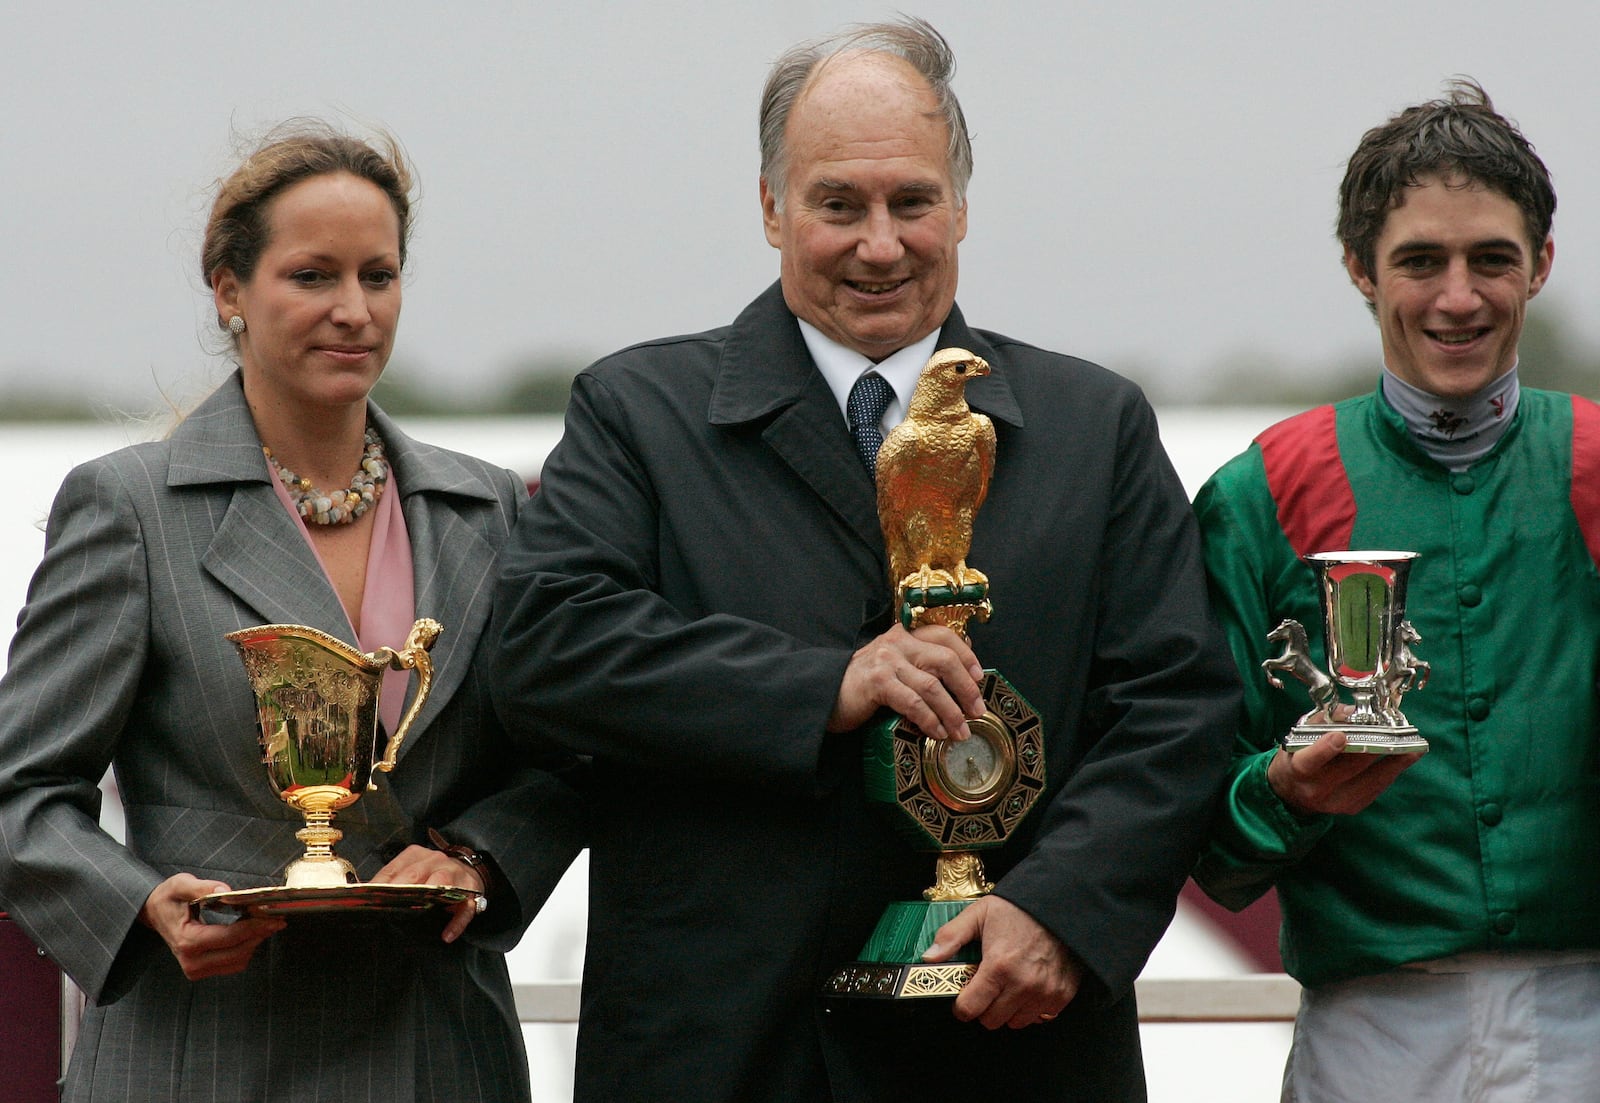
841 367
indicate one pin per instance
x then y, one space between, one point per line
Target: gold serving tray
283 901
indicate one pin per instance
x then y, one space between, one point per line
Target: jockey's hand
1321 778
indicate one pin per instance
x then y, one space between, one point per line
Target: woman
155 552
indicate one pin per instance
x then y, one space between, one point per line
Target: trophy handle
413 656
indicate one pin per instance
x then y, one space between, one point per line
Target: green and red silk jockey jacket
1492 840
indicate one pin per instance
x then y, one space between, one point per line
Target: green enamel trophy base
891 966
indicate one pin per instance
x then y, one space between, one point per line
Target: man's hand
929 676
1320 778
202 949
1027 974
421 865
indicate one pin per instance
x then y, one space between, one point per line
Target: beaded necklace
319 507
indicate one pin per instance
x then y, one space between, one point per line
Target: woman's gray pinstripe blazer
152 554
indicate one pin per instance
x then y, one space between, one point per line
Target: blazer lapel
259 556
256 551
452 561
766 371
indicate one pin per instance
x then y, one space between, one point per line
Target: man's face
870 224
1454 271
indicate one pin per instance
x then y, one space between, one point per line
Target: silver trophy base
1360 738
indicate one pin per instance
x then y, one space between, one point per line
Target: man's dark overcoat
680 601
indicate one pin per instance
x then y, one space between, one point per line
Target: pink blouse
388 601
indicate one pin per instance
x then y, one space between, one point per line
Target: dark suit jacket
152 554
680 601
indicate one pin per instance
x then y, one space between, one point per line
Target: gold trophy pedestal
955 799
891 967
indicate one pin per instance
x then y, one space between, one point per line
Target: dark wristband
467 857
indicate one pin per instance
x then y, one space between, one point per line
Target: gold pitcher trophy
317 705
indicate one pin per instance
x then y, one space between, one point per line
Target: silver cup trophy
1369 653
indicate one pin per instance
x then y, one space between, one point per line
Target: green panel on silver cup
1360 606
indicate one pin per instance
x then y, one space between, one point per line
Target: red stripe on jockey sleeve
1586 472
1316 507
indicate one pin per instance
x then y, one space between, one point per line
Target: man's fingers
922 699
997 997
954 641
927 677
1320 779
964 927
978 998
942 685
1327 749
1027 975
984 996
956 933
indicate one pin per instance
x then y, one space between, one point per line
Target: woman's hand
421 865
202 949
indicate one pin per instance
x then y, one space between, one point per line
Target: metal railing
1259 998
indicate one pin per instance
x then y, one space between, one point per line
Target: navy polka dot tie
869 398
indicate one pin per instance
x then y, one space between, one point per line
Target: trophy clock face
972 775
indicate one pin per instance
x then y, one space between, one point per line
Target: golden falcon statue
933 474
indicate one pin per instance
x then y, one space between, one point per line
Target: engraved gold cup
317 703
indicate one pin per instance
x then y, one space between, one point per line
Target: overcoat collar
767 373
261 557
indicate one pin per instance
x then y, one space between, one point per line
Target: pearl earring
236 324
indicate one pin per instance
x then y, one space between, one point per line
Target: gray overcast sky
1154 186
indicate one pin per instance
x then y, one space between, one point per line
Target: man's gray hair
913 40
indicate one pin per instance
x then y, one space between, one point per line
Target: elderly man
1443 912
699 600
